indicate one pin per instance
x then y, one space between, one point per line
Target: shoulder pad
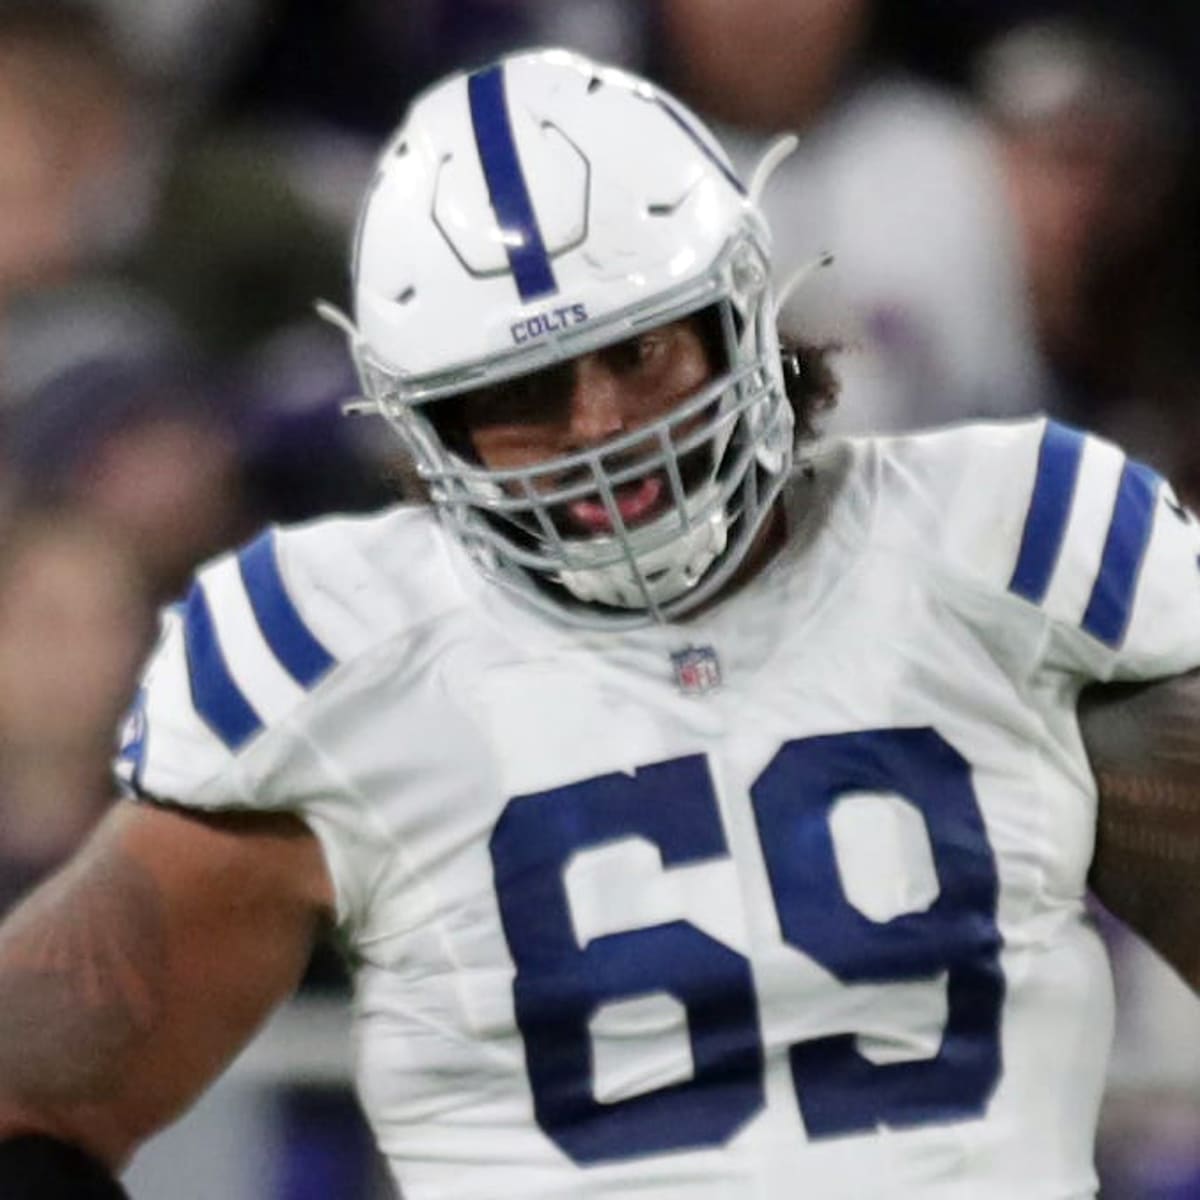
1059 519
258 632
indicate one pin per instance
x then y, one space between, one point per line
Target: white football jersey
783 900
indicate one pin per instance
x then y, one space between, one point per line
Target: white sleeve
235 658
1111 558
262 653
1065 527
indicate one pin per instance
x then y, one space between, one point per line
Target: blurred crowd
1008 191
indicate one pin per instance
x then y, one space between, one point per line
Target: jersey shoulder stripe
249 652
1111 602
1088 524
264 627
215 693
130 759
290 639
261 632
1046 521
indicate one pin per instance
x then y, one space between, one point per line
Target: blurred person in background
111 411
301 458
74 190
185 50
893 177
122 476
792 57
118 160
82 561
1091 134
235 273
75 620
631 656
377 54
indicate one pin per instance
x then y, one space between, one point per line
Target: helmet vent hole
405 296
668 208
402 149
594 84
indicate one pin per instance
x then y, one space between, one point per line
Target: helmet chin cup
672 563
476 265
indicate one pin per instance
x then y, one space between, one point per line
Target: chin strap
36 1166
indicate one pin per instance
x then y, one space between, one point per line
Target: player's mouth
637 502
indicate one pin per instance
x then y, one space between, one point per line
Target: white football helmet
534 210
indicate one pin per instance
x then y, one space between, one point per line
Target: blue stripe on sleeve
216 695
1111 602
527 257
131 754
1049 510
290 639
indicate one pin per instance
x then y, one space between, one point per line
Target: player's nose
596 409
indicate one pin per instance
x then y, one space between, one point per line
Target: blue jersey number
559 986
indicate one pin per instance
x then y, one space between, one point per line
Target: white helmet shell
559 192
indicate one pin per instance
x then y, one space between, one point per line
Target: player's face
586 402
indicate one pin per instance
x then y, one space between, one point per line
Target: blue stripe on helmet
290 639
1049 510
215 693
713 157
527 257
1111 602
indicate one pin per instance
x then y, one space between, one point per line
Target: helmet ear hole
449 420
712 335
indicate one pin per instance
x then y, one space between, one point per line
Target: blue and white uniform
816 931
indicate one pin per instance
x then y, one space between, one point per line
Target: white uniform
818 931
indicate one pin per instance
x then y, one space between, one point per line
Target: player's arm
131 978
1143 741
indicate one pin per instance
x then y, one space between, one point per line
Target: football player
707 809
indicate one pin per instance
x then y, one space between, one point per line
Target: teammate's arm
132 977
1143 742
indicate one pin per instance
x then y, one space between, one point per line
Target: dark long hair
810 381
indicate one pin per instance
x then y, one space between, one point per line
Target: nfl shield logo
696 670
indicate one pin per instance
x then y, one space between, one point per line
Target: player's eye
532 399
634 353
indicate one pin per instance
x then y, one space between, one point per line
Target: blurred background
1010 189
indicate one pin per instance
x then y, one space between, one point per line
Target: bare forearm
1144 746
128 981
82 969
